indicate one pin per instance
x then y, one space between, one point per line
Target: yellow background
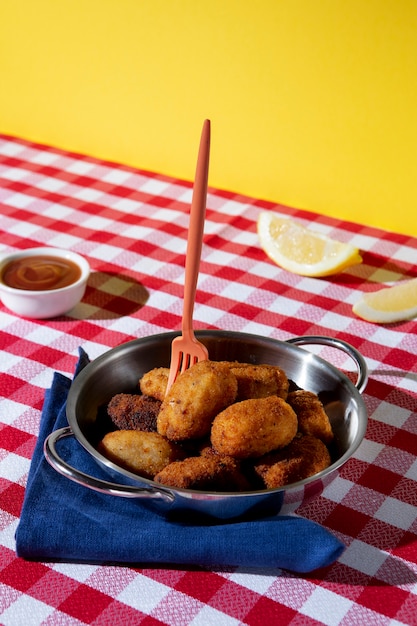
312 102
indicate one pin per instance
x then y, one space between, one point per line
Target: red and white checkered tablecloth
131 225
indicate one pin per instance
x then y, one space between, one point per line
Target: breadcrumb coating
303 457
154 383
254 427
134 412
141 452
194 399
207 472
312 418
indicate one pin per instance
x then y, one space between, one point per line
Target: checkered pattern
131 225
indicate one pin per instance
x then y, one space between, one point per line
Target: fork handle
196 228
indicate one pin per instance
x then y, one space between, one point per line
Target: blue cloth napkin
63 521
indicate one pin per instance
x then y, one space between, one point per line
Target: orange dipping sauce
40 273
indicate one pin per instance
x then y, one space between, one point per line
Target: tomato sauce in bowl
40 273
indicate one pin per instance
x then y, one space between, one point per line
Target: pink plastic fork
186 349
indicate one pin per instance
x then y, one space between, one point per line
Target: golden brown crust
194 399
154 382
134 412
259 381
254 427
207 472
312 418
141 452
303 457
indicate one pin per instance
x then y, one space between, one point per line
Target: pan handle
341 345
96 484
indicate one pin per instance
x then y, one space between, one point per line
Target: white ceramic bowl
44 303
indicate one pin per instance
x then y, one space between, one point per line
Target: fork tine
182 359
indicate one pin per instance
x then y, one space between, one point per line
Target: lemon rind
369 314
367 306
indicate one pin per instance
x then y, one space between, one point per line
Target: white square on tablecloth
265 270
144 594
147 265
10 148
285 306
14 467
64 240
80 167
24 229
337 489
8 528
336 322
43 335
10 410
326 606
209 616
58 211
8 361
166 215
231 207
125 205
88 194
139 233
77 571
15 173
406 254
176 245
408 382
231 290
254 328
208 315
95 222
26 610
116 177
186 197
155 186
45 158
397 513
50 184
363 557
105 252
255 581
222 258
126 325
368 451
245 238
390 414
412 471
18 200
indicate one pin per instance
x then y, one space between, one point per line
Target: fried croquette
195 398
252 428
141 452
208 472
154 383
259 381
134 412
312 418
303 457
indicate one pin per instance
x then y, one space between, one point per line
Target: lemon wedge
389 304
301 250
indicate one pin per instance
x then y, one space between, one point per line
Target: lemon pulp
389 304
301 250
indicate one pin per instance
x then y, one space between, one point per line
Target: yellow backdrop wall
312 102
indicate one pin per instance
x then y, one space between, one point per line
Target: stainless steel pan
119 370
